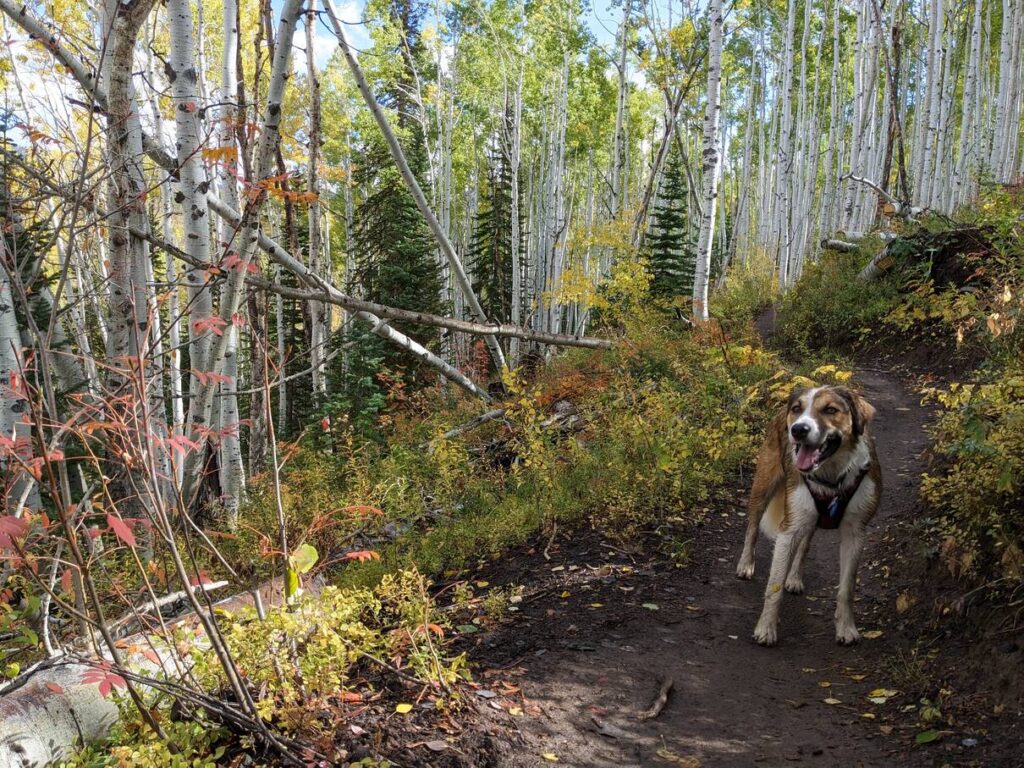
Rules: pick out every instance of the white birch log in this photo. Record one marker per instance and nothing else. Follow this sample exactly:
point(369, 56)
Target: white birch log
point(48, 711)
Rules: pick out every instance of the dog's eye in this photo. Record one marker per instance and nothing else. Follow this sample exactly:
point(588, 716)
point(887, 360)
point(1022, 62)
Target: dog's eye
point(796, 408)
point(831, 410)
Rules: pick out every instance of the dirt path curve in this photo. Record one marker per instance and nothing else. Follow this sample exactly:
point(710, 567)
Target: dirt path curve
point(600, 632)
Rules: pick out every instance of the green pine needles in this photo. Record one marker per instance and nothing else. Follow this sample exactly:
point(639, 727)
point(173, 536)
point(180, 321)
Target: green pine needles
point(673, 252)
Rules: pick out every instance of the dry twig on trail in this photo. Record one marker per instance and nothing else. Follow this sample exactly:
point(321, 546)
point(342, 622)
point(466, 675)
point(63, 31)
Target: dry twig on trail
point(659, 702)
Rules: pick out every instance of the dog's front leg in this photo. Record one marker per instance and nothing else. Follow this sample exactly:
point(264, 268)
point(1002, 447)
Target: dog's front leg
point(851, 543)
point(795, 578)
point(766, 631)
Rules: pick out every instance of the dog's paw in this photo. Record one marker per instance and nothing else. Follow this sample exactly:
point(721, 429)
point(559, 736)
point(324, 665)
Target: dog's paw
point(745, 570)
point(846, 633)
point(766, 633)
point(795, 585)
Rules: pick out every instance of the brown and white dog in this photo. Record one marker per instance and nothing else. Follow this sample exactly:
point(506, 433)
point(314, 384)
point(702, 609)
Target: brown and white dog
point(816, 469)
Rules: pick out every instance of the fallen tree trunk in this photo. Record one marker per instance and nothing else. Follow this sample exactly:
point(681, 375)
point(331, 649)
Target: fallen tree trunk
point(838, 245)
point(52, 708)
point(878, 266)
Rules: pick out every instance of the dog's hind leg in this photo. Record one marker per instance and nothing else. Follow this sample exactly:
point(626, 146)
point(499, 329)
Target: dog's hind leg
point(851, 543)
point(795, 579)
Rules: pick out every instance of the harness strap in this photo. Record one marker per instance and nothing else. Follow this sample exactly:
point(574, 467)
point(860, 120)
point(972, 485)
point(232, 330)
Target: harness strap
point(831, 506)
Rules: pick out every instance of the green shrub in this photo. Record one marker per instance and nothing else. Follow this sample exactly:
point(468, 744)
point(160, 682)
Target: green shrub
point(976, 493)
point(829, 308)
point(748, 289)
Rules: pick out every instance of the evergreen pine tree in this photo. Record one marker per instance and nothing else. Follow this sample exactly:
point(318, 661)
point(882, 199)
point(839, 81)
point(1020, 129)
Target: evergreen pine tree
point(673, 256)
point(395, 255)
point(490, 250)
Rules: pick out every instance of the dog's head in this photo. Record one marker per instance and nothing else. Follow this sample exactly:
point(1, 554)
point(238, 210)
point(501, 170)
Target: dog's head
point(824, 422)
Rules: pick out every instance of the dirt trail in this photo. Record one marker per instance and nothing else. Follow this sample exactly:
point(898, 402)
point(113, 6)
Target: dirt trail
point(599, 631)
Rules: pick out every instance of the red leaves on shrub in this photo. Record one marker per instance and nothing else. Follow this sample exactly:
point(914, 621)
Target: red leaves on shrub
point(121, 530)
point(105, 678)
point(11, 528)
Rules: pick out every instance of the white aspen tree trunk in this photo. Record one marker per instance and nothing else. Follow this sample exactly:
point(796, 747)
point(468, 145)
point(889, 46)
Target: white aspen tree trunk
point(319, 312)
point(968, 146)
point(722, 221)
point(132, 309)
point(831, 174)
point(784, 163)
point(810, 205)
point(923, 100)
point(942, 170)
point(801, 160)
point(16, 485)
point(192, 183)
point(935, 69)
point(282, 388)
point(859, 120)
point(620, 113)
point(743, 216)
point(230, 464)
point(515, 151)
point(560, 232)
point(711, 162)
point(871, 127)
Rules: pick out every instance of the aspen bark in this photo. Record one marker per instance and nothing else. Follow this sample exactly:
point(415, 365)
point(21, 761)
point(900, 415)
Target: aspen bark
point(319, 312)
point(711, 162)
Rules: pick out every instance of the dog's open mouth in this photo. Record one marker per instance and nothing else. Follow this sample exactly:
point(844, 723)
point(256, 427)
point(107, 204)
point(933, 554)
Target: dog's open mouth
point(810, 457)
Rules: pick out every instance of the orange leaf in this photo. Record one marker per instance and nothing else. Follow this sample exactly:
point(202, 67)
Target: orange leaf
point(363, 555)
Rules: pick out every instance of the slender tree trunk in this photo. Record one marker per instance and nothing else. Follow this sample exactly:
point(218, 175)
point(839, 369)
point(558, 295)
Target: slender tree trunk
point(131, 305)
point(711, 162)
point(620, 113)
point(319, 312)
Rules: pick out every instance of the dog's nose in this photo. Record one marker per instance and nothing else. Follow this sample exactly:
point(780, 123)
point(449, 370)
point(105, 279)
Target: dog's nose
point(800, 430)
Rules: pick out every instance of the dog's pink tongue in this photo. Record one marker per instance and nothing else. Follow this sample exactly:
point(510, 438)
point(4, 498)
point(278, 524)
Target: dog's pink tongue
point(805, 457)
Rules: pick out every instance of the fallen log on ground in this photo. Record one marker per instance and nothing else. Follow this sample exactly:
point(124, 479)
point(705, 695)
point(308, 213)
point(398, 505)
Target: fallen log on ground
point(953, 255)
point(54, 706)
point(838, 245)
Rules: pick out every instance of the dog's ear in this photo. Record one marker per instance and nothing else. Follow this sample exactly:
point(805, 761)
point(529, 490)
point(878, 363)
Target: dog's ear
point(861, 410)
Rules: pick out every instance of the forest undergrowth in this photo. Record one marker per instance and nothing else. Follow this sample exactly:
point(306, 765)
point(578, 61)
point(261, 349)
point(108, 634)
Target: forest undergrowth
point(624, 441)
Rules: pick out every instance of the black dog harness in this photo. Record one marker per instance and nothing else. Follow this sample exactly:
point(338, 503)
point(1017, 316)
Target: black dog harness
point(831, 504)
